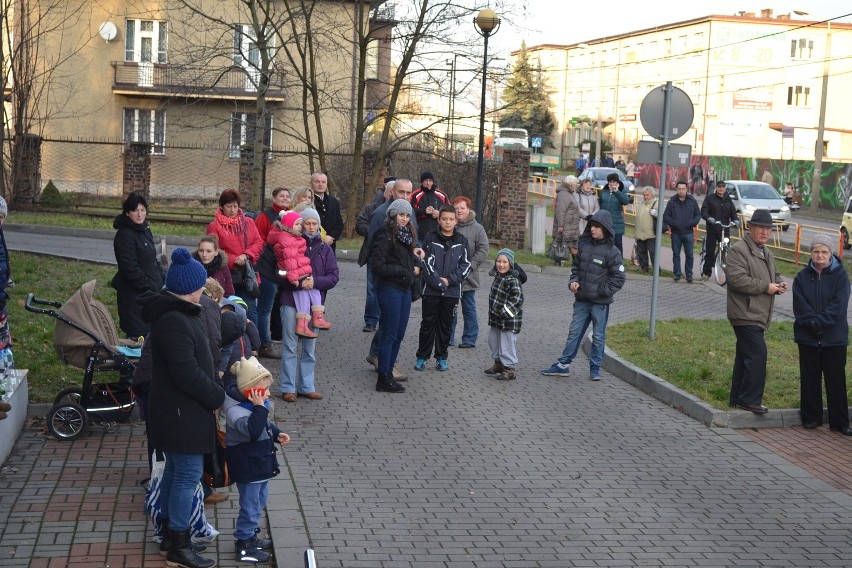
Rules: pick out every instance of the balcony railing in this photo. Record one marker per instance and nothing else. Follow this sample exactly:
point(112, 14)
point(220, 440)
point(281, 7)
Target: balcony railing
point(157, 79)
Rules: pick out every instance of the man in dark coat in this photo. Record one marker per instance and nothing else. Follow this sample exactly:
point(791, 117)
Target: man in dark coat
point(184, 393)
point(426, 201)
point(328, 208)
point(681, 216)
point(717, 207)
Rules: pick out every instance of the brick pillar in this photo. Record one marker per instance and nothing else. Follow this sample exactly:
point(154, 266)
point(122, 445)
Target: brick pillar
point(27, 175)
point(137, 169)
point(512, 190)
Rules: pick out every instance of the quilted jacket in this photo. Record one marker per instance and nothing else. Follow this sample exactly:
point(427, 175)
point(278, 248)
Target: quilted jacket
point(290, 251)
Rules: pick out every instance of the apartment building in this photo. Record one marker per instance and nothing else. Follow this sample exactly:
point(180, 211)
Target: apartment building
point(754, 79)
point(185, 74)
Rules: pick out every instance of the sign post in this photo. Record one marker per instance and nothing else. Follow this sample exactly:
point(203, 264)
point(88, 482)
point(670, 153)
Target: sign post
point(666, 114)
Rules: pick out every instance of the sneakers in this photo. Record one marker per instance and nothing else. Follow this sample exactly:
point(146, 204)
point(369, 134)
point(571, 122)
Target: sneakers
point(398, 375)
point(250, 551)
point(373, 360)
point(508, 374)
point(677, 278)
point(442, 365)
point(689, 279)
point(420, 365)
point(595, 375)
point(557, 370)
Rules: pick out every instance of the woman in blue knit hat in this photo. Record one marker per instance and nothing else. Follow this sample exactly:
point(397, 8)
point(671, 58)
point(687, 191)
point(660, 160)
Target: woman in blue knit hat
point(184, 393)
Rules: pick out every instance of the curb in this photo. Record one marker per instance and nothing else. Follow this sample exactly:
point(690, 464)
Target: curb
point(687, 403)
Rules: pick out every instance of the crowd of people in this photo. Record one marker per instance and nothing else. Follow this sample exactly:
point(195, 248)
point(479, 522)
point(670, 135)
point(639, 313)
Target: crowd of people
point(213, 311)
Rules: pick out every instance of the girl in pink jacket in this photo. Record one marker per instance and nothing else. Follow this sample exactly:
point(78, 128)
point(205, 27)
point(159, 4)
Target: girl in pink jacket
point(293, 264)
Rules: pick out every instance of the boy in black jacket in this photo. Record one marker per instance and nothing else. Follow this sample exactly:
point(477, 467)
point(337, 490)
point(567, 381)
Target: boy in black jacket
point(447, 265)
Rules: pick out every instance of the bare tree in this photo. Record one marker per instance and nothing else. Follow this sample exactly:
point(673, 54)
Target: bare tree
point(36, 80)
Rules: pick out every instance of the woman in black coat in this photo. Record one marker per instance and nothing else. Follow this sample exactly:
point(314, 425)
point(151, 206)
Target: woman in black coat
point(394, 265)
point(820, 302)
point(184, 393)
point(138, 268)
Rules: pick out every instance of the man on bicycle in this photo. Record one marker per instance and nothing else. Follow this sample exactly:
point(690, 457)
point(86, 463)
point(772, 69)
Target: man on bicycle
point(718, 206)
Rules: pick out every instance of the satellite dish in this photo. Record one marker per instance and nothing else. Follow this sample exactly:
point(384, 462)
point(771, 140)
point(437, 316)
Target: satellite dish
point(108, 31)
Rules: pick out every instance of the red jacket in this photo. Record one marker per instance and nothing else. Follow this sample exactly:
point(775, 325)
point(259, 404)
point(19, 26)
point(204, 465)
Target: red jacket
point(289, 252)
point(247, 241)
point(264, 223)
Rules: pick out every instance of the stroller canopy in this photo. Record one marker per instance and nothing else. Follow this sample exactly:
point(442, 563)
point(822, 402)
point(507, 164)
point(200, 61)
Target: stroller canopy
point(74, 346)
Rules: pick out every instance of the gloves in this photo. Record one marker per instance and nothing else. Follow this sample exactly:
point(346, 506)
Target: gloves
point(711, 220)
point(588, 217)
point(653, 212)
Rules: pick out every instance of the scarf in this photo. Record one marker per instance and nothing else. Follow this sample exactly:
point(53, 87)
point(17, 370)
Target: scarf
point(403, 234)
point(234, 225)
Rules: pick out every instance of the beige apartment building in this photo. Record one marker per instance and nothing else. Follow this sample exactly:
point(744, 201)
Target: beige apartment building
point(754, 80)
point(184, 76)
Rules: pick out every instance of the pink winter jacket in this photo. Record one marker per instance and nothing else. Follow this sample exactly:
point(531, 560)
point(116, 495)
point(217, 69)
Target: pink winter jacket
point(290, 251)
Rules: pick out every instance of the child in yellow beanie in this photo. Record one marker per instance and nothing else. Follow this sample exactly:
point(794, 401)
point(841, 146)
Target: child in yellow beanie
point(250, 453)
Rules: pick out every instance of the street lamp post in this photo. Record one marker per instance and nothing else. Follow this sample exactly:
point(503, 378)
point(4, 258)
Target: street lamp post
point(487, 23)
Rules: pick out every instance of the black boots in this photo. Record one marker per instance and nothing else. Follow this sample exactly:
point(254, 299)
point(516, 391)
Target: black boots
point(387, 384)
point(251, 550)
point(182, 554)
point(166, 543)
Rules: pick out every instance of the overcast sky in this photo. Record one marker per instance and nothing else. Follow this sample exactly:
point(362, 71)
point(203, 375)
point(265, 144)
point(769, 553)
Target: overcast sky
point(564, 22)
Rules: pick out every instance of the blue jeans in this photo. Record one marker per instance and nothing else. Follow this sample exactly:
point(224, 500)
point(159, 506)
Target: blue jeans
point(264, 309)
point(584, 314)
point(687, 242)
point(293, 366)
point(180, 478)
point(253, 498)
point(251, 312)
point(471, 322)
point(395, 305)
point(371, 305)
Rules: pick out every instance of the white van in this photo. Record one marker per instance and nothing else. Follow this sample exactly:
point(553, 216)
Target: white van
point(749, 196)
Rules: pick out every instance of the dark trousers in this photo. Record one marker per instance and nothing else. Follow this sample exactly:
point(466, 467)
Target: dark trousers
point(438, 312)
point(749, 376)
point(617, 242)
point(816, 364)
point(710, 244)
point(645, 250)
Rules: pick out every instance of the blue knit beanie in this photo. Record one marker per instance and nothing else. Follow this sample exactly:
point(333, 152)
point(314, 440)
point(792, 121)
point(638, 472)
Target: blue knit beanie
point(509, 255)
point(186, 275)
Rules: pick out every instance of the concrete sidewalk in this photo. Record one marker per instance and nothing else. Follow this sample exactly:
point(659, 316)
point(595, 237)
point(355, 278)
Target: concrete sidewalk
point(462, 470)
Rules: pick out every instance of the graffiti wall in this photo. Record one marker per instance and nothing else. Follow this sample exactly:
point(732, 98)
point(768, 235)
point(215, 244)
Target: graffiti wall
point(704, 170)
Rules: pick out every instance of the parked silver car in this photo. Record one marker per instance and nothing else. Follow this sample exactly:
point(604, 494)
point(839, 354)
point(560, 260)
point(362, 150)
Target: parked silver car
point(750, 196)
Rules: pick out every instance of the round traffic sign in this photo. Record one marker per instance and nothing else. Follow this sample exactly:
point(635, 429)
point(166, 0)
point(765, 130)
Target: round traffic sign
point(653, 109)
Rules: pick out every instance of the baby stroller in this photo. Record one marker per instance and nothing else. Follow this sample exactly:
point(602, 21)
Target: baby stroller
point(86, 338)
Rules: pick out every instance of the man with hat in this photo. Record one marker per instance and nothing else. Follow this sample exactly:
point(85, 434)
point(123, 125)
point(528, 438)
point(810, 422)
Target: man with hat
point(426, 201)
point(753, 284)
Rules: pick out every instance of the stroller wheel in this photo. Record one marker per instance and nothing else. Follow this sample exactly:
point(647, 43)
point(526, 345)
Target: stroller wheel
point(71, 394)
point(67, 421)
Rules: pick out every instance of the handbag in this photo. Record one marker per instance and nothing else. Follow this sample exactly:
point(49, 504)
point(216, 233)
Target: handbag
point(202, 531)
point(215, 466)
point(251, 284)
point(558, 251)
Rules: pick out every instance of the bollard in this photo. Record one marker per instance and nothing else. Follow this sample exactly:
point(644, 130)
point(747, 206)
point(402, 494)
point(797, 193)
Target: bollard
point(310, 560)
point(537, 215)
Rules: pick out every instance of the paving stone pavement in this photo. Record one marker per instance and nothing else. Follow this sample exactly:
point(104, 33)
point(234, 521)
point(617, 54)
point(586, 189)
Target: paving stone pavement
point(462, 470)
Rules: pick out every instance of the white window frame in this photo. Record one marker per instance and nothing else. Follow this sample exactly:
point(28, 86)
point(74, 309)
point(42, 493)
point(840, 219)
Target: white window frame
point(242, 123)
point(157, 36)
point(371, 60)
point(144, 125)
point(247, 55)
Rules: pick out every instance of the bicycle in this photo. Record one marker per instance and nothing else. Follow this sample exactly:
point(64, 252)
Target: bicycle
point(721, 255)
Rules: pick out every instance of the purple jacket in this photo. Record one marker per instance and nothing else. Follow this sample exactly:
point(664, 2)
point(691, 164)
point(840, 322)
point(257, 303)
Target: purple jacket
point(324, 266)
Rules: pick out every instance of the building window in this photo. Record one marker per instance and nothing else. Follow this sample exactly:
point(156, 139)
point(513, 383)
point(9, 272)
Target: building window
point(371, 60)
point(798, 96)
point(242, 131)
point(146, 41)
point(667, 47)
point(246, 53)
point(801, 48)
point(141, 125)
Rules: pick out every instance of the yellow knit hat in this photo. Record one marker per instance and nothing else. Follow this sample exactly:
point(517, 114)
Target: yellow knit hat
point(249, 372)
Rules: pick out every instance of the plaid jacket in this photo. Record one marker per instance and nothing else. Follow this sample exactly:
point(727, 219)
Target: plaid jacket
point(505, 302)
